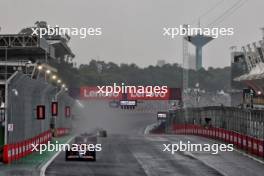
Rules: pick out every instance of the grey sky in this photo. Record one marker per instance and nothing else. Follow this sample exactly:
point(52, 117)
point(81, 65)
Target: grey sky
point(132, 29)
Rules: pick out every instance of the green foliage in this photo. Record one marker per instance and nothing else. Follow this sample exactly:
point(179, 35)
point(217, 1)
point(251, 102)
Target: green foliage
point(102, 73)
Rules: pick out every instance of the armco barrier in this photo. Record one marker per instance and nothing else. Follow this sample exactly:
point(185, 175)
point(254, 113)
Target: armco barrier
point(18, 150)
point(247, 143)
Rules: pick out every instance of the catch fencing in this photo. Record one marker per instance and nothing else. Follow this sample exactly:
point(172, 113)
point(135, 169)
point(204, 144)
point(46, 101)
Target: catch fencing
point(24, 94)
point(63, 122)
point(23, 127)
point(245, 121)
point(241, 127)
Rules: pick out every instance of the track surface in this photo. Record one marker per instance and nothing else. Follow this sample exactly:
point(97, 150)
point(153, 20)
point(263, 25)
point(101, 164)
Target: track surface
point(128, 152)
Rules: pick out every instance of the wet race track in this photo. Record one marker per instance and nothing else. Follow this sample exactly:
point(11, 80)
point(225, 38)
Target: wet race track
point(128, 151)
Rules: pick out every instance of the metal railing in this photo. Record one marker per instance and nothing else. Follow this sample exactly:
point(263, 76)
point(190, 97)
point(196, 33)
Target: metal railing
point(244, 121)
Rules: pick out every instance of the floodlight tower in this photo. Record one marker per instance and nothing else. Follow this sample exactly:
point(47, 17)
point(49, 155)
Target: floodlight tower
point(199, 41)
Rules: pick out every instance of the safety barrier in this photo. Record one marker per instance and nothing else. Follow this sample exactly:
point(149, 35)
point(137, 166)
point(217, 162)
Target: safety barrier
point(21, 149)
point(61, 132)
point(22, 109)
point(247, 143)
point(1, 153)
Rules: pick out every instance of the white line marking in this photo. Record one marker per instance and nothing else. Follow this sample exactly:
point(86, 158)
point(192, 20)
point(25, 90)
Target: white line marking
point(250, 156)
point(149, 128)
point(206, 163)
point(44, 167)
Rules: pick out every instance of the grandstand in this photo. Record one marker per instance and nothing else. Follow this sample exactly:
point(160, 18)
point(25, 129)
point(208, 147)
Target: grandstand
point(252, 59)
point(29, 79)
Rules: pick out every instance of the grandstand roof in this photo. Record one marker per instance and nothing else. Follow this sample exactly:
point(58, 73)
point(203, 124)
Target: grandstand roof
point(27, 45)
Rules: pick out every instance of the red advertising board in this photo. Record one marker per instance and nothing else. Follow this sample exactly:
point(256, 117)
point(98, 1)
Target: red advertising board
point(40, 112)
point(54, 108)
point(94, 92)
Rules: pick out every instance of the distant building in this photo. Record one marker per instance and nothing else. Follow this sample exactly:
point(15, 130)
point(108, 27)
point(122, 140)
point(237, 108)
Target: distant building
point(161, 63)
point(190, 63)
point(248, 69)
point(238, 68)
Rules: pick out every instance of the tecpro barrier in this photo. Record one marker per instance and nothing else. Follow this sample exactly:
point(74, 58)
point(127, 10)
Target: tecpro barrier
point(249, 144)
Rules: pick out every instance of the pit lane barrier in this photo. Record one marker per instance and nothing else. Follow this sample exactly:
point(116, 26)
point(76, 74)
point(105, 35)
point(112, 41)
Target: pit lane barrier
point(247, 143)
point(15, 151)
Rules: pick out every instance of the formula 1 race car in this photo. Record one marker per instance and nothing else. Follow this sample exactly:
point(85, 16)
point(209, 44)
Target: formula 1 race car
point(80, 152)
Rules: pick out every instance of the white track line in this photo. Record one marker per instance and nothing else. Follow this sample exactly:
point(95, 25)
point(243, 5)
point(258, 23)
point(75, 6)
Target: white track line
point(149, 128)
point(44, 167)
point(250, 156)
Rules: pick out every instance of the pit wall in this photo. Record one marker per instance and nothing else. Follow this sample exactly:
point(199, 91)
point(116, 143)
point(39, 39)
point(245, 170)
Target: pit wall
point(242, 127)
point(15, 151)
point(24, 94)
point(249, 144)
point(244, 121)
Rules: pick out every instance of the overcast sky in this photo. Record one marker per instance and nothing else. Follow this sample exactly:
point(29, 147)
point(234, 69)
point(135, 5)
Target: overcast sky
point(132, 29)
